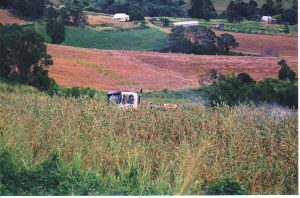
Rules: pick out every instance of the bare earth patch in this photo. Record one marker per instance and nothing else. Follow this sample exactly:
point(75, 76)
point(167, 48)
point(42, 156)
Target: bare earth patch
point(7, 18)
point(132, 70)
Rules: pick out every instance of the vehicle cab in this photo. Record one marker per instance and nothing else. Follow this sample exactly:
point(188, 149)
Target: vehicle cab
point(123, 99)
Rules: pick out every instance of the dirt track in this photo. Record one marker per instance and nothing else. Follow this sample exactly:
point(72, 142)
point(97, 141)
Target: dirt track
point(131, 70)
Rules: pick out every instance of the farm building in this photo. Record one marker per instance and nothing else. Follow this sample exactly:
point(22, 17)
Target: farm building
point(268, 19)
point(186, 24)
point(121, 17)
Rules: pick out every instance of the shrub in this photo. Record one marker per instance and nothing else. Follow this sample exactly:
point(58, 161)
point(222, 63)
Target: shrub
point(226, 186)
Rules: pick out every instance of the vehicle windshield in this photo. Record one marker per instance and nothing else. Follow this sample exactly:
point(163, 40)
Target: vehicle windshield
point(115, 99)
point(128, 99)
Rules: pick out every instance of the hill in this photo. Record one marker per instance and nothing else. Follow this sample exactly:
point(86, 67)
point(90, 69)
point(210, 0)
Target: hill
point(108, 69)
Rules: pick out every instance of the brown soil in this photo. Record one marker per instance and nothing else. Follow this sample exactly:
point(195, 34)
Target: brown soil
point(255, 43)
point(131, 70)
point(7, 18)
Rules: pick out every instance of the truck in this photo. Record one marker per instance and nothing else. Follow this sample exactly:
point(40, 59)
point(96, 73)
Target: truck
point(127, 99)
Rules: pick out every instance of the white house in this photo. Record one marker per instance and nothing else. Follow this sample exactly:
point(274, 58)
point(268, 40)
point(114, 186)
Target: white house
point(121, 17)
point(268, 19)
point(187, 24)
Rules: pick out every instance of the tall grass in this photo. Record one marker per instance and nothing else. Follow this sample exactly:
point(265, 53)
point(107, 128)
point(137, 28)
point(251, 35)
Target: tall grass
point(151, 151)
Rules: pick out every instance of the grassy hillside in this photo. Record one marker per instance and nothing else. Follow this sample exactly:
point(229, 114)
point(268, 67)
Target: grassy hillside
point(147, 151)
point(145, 39)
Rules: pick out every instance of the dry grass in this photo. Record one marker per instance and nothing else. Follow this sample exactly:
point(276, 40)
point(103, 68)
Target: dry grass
point(186, 148)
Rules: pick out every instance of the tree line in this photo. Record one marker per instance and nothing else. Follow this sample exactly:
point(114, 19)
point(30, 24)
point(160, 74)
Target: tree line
point(242, 88)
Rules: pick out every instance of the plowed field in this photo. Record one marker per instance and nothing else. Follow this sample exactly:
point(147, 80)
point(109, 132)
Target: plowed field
point(7, 18)
point(132, 70)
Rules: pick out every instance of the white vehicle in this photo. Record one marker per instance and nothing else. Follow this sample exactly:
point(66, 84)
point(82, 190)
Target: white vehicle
point(125, 100)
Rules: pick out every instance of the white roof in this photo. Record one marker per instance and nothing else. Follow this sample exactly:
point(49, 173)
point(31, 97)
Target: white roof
point(187, 23)
point(120, 15)
point(266, 17)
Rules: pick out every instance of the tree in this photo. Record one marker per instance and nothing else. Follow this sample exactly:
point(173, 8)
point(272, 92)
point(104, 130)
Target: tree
point(73, 12)
point(234, 17)
point(178, 43)
point(24, 56)
point(56, 30)
point(30, 8)
point(279, 6)
point(200, 40)
point(228, 41)
point(246, 78)
point(269, 8)
point(136, 16)
point(295, 4)
point(6, 3)
point(285, 72)
point(290, 16)
point(201, 9)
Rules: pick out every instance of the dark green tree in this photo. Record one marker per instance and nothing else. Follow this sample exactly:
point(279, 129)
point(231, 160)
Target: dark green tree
point(201, 9)
point(136, 16)
point(295, 4)
point(178, 42)
point(73, 12)
point(30, 8)
point(269, 8)
point(285, 72)
point(290, 16)
point(227, 42)
point(279, 7)
point(23, 55)
point(6, 3)
point(56, 30)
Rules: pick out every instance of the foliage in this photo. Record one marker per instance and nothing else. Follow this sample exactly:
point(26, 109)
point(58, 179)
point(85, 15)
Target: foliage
point(233, 90)
point(238, 10)
point(285, 72)
point(290, 16)
point(24, 56)
point(30, 8)
point(226, 42)
point(136, 16)
point(199, 40)
point(153, 8)
point(56, 30)
point(145, 151)
point(164, 21)
point(76, 92)
point(226, 186)
point(202, 9)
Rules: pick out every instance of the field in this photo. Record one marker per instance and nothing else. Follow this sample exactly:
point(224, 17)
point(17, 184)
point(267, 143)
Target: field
point(108, 151)
point(250, 27)
point(108, 69)
point(7, 18)
point(142, 39)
